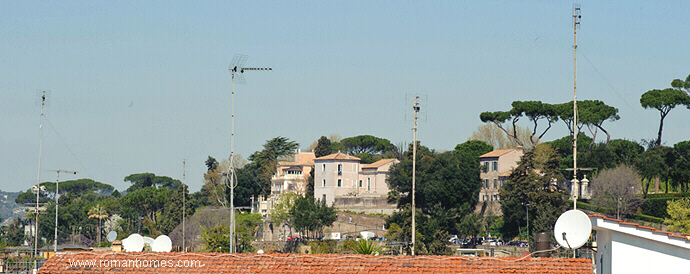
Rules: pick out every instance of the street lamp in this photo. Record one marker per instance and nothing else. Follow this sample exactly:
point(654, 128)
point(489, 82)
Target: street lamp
point(527, 206)
point(57, 187)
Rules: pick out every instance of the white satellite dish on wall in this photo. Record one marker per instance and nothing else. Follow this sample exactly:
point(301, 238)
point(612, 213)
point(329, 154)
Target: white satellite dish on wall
point(162, 244)
point(133, 243)
point(112, 235)
point(572, 229)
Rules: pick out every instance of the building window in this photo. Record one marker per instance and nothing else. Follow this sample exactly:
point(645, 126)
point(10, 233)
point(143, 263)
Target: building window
point(495, 197)
point(486, 183)
point(340, 169)
point(486, 166)
point(324, 197)
point(368, 184)
point(360, 183)
point(495, 183)
point(324, 182)
point(340, 182)
point(495, 166)
point(323, 168)
point(503, 181)
point(293, 172)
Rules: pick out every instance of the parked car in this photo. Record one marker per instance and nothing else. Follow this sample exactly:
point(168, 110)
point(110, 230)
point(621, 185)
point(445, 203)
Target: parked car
point(293, 239)
point(454, 239)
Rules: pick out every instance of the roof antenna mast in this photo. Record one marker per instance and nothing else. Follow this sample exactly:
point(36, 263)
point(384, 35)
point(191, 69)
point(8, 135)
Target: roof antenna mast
point(576, 184)
point(417, 102)
point(236, 70)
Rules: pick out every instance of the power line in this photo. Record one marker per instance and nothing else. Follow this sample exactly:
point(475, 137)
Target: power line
point(680, 155)
point(70, 150)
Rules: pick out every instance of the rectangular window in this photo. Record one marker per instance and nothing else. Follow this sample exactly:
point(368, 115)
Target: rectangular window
point(324, 197)
point(340, 182)
point(486, 183)
point(495, 183)
point(340, 169)
point(486, 166)
point(324, 183)
point(360, 183)
point(495, 166)
point(368, 184)
point(323, 168)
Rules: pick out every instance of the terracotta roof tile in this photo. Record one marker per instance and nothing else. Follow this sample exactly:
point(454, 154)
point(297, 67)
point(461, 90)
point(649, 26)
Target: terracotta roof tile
point(496, 153)
point(151, 262)
point(379, 163)
point(338, 156)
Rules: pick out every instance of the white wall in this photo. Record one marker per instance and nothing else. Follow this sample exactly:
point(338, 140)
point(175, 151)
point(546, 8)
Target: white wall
point(625, 248)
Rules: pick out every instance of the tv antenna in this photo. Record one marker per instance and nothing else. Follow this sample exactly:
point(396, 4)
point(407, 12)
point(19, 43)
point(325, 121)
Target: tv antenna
point(237, 70)
point(43, 97)
point(575, 188)
point(57, 188)
point(417, 102)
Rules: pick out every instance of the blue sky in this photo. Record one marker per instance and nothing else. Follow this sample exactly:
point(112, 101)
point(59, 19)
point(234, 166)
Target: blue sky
point(138, 86)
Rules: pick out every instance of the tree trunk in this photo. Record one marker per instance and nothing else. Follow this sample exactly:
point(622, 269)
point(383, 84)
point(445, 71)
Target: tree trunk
point(656, 184)
point(661, 126)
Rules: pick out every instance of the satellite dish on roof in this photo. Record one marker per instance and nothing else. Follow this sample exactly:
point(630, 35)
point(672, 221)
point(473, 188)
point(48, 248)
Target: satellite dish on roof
point(112, 235)
point(133, 243)
point(148, 240)
point(572, 229)
point(162, 244)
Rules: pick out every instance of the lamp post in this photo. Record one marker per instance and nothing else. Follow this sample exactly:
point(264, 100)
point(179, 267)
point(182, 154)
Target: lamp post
point(527, 206)
point(57, 187)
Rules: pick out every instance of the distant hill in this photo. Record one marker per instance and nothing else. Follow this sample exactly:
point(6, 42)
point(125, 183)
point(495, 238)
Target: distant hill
point(8, 208)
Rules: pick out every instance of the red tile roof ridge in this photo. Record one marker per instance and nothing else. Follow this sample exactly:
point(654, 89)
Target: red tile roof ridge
point(316, 263)
point(683, 236)
point(315, 256)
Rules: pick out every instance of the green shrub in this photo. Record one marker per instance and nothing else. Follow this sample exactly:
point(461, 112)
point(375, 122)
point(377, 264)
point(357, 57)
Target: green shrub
point(367, 247)
point(648, 218)
point(656, 207)
point(674, 195)
point(591, 207)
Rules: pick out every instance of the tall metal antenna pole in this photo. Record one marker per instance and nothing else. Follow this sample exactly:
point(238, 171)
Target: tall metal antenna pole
point(236, 69)
point(184, 198)
point(38, 178)
point(415, 107)
point(575, 186)
point(57, 187)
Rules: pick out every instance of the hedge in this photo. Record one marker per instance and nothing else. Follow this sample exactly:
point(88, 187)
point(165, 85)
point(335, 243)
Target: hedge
point(674, 195)
point(591, 207)
point(648, 218)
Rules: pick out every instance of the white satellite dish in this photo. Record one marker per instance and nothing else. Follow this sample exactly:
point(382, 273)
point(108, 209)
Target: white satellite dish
point(133, 243)
point(162, 244)
point(572, 229)
point(148, 240)
point(112, 235)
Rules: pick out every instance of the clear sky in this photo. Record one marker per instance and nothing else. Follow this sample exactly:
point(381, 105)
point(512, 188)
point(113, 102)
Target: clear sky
point(138, 86)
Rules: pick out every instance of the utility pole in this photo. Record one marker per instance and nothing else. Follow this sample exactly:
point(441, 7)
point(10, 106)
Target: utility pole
point(576, 186)
point(236, 70)
point(414, 169)
point(57, 187)
point(184, 198)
